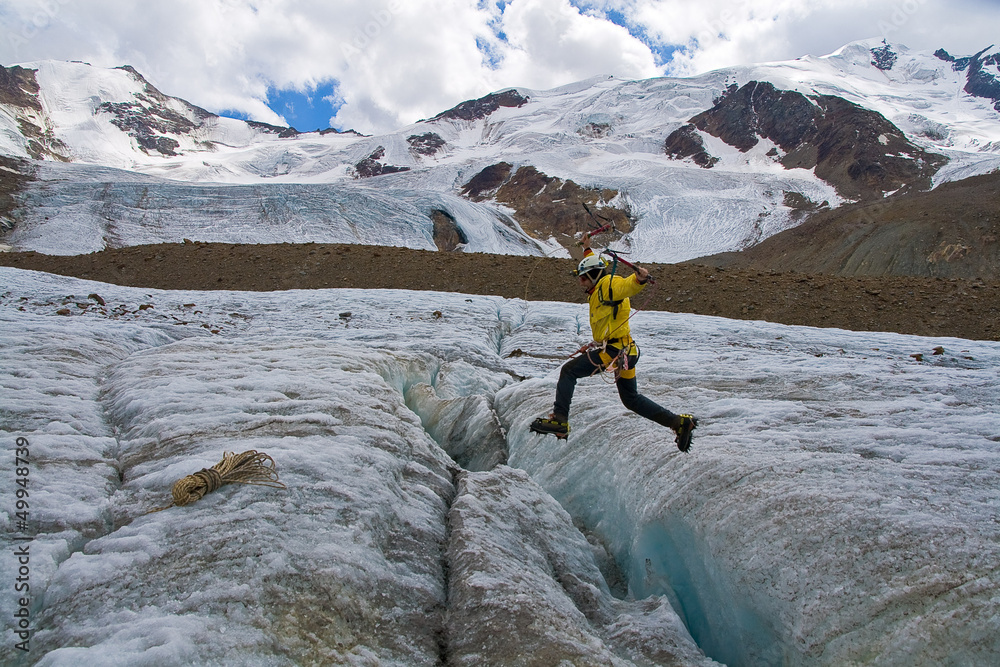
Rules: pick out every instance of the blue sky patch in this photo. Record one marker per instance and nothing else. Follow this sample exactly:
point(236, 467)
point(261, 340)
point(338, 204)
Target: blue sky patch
point(230, 113)
point(491, 57)
point(306, 110)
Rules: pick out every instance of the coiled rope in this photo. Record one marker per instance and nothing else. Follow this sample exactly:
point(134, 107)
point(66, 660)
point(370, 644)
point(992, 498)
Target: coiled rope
point(250, 467)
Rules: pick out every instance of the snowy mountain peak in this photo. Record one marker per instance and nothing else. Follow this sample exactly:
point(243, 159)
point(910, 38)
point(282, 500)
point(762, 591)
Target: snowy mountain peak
point(983, 74)
point(152, 117)
point(778, 138)
point(484, 106)
point(73, 111)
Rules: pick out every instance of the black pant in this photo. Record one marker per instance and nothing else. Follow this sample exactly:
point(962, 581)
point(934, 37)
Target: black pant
point(590, 363)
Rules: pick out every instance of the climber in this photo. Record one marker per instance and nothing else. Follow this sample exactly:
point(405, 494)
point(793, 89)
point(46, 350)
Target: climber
point(612, 347)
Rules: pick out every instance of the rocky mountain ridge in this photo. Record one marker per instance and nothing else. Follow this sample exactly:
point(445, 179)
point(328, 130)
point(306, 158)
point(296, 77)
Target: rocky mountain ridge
point(780, 142)
point(856, 150)
point(982, 82)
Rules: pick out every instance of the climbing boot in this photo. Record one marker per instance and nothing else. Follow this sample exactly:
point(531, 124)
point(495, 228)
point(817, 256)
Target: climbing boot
point(685, 424)
point(556, 425)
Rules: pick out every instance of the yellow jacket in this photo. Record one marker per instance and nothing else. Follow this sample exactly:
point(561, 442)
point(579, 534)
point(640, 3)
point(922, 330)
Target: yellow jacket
point(610, 308)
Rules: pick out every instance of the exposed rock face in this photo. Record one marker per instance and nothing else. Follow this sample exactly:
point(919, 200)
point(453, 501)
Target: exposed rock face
point(372, 165)
point(428, 143)
point(685, 142)
point(152, 96)
point(858, 151)
point(331, 130)
point(883, 57)
point(957, 64)
point(544, 206)
point(742, 116)
point(864, 155)
point(151, 116)
point(800, 204)
point(282, 132)
point(484, 106)
point(981, 83)
point(486, 183)
point(448, 235)
point(144, 125)
point(19, 88)
point(19, 93)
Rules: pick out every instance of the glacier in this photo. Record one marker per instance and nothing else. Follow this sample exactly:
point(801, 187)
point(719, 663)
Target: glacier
point(75, 209)
point(231, 181)
point(839, 504)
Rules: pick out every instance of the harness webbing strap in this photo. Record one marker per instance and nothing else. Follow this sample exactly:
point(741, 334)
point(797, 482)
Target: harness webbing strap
point(610, 301)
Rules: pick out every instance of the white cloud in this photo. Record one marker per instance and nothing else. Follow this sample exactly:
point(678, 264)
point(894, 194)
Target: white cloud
point(457, 54)
point(411, 60)
point(397, 61)
point(552, 43)
point(720, 33)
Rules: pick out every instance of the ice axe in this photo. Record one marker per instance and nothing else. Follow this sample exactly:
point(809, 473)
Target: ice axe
point(595, 232)
point(603, 228)
point(618, 258)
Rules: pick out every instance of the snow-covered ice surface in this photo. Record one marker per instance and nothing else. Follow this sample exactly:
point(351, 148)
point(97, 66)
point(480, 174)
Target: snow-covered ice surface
point(839, 505)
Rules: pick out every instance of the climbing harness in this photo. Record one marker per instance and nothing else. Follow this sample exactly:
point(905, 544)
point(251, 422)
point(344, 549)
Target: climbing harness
point(620, 362)
point(610, 301)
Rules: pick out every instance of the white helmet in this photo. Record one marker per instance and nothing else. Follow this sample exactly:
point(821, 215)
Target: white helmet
point(591, 266)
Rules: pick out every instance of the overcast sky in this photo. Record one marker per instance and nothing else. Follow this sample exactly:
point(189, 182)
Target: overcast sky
point(376, 65)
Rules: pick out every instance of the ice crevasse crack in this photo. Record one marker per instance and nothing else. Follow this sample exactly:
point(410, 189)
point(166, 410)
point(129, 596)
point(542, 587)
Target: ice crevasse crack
point(372, 495)
point(423, 523)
